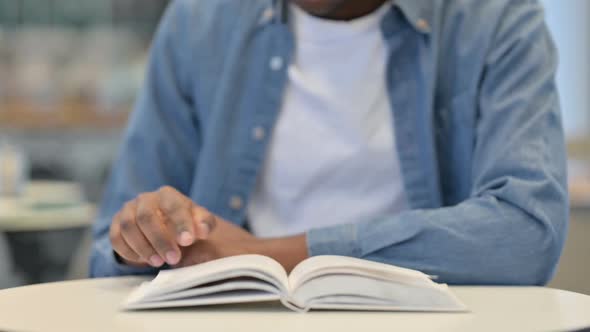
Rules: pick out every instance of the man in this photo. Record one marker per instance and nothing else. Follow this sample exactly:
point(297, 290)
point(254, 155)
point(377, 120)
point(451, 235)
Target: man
point(420, 133)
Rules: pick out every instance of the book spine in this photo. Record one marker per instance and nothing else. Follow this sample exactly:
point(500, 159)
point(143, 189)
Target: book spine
point(290, 305)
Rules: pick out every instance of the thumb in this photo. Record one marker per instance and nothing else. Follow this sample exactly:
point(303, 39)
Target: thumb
point(205, 222)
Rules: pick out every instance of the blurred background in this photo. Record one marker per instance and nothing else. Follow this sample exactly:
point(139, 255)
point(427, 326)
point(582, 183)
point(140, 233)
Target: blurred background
point(69, 74)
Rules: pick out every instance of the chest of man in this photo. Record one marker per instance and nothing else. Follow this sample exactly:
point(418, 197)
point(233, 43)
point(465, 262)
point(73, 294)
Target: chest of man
point(239, 98)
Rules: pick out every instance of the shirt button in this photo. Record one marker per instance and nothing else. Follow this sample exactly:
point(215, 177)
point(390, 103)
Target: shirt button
point(423, 25)
point(276, 63)
point(258, 133)
point(268, 14)
point(236, 203)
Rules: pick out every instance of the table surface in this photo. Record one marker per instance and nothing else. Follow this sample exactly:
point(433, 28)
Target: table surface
point(92, 305)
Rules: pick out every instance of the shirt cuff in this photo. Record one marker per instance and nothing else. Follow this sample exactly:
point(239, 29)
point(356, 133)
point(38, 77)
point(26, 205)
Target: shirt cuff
point(336, 240)
point(105, 264)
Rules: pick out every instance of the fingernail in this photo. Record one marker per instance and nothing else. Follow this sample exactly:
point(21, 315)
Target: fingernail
point(203, 230)
point(156, 261)
point(172, 257)
point(185, 239)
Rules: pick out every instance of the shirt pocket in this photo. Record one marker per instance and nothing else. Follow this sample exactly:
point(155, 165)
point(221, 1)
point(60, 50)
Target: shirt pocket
point(455, 141)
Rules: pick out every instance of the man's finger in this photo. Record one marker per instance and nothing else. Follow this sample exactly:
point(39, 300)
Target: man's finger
point(134, 238)
point(205, 222)
point(153, 227)
point(176, 210)
point(119, 244)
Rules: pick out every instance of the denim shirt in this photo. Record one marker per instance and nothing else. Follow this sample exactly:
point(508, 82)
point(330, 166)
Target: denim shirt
point(477, 124)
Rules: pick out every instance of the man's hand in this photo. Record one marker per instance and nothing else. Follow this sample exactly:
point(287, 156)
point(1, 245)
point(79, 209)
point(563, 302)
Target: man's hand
point(231, 240)
point(153, 228)
point(227, 240)
point(166, 226)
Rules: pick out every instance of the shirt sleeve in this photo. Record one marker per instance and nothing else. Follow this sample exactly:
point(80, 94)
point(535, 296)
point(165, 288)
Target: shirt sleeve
point(161, 143)
point(512, 228)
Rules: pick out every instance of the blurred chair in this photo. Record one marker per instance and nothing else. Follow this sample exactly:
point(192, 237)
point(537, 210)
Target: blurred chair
point(8, 275)
point(79, 265)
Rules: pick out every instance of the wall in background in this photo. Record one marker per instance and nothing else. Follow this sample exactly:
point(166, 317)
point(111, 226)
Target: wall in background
point(569, 20)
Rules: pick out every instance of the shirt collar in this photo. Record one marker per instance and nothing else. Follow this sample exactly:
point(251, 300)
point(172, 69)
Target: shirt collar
point(419, 13)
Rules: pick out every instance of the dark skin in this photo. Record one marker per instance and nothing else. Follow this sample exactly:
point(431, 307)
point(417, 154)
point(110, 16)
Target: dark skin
point(165, 226)
point(342, 10)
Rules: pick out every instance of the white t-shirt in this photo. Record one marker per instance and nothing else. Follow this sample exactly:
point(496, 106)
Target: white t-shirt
point(332, 157)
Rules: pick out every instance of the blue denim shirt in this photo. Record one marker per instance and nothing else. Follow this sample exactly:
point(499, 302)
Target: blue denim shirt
point(477, 126)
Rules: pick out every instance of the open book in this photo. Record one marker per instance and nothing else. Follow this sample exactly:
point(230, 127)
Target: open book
point(321, 282)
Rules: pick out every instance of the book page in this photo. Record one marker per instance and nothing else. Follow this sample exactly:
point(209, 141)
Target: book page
point(359, 293)
point(224, 286)
point(254, 266)
point(238, 296)
point(322, 265)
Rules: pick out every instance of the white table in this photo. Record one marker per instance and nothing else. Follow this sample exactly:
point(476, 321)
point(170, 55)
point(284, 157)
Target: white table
point(92, 305)
point(46, 206)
